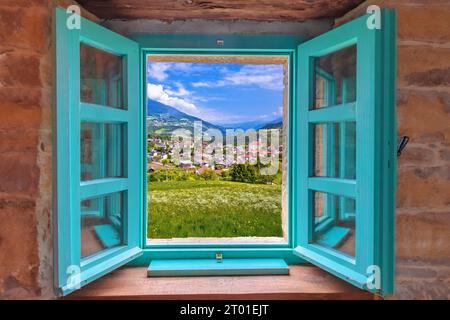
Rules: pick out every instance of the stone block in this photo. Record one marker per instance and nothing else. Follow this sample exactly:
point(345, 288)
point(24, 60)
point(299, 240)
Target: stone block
point(423, 66)
point(19, 265)
point(423, 187)
point(19, 69)
point(424, 116)
point(14, 97)
point(19, 110)
point(423, 234)
point(17, 140)
point(422, 279)
point(427, 22)
point(25, 27)
point(20, 174)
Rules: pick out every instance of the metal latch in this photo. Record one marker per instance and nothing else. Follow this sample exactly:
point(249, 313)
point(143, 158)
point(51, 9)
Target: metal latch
point(403, 142)
point(219, 257)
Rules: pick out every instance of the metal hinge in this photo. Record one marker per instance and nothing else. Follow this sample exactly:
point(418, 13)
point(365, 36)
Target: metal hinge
point(403, 142)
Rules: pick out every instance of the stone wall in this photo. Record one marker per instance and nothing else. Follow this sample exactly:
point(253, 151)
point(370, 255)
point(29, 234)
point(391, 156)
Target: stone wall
point(26, 113)
point(423, 109)
point(26, 133)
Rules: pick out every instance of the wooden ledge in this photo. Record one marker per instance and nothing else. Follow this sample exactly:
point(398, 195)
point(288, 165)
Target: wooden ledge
point(211, 267)
point(304, 282)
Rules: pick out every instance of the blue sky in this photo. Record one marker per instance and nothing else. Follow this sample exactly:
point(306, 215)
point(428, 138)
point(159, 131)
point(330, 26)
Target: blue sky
point(218, 93)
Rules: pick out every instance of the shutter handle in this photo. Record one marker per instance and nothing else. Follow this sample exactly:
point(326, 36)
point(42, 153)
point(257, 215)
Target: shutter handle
point(402, 145)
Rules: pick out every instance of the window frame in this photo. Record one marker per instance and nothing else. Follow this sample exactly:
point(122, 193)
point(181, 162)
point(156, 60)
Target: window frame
point(329, 155)
point(375, 184)
point(71, 269)
point(232, 45)
point(68, 193)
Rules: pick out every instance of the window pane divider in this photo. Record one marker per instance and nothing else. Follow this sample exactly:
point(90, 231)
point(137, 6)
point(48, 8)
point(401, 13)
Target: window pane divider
point(103, 114)
point(98, 187)
point(340, 187)
point(336, 113)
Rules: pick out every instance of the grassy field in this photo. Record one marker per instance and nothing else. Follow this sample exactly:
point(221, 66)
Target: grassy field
point(178, 209)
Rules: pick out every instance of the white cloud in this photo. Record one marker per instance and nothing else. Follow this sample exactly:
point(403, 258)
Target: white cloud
point(157, 92)
point(177, 96)
point(209, 84)
point(201, 84)
point(181, 91)
point(279, 112)
point(264, 76)
point(272, 116)
point(217, 117)
point(224, 70)
point(187, 67)
point(158, 70)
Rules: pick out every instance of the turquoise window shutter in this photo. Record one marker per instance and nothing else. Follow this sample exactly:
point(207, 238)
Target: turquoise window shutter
point(113, 191)
point(356, 152)
point(98, 170)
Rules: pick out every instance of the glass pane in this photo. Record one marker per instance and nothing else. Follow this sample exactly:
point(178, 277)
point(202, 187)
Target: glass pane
point(334, 222)
point(229, 183)
point(101, 223)
point(102, 150)
point(335, 150)
point(101, 78)
point(335, 78)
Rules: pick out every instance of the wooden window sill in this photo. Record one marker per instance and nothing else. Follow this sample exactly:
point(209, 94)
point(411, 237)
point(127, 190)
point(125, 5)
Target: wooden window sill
point(304, 282)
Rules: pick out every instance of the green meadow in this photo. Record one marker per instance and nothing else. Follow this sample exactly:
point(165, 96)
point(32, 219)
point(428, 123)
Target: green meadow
point(214, 208)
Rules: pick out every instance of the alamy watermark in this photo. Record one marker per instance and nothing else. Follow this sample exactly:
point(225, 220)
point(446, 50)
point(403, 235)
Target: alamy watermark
point(374, 20)
point(74, 17)
point(237, 147)
point(374, 277)
point(73, 277)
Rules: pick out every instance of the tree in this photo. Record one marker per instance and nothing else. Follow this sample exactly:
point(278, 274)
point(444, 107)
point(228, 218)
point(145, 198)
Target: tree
point(164, 163)
point(243, 173)
point(209, 174)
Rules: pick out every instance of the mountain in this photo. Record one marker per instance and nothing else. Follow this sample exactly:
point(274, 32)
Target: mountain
point(245, 125)
point(256, 124)
point(274, 124)
point(163, 119)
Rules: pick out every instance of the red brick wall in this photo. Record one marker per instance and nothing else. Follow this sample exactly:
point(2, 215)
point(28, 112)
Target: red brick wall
point(423, 109)
point(23, 41)
point(26, 111)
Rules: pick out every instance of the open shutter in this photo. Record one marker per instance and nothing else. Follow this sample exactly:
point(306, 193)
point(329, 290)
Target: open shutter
point(345, 152)
point(98, 201)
